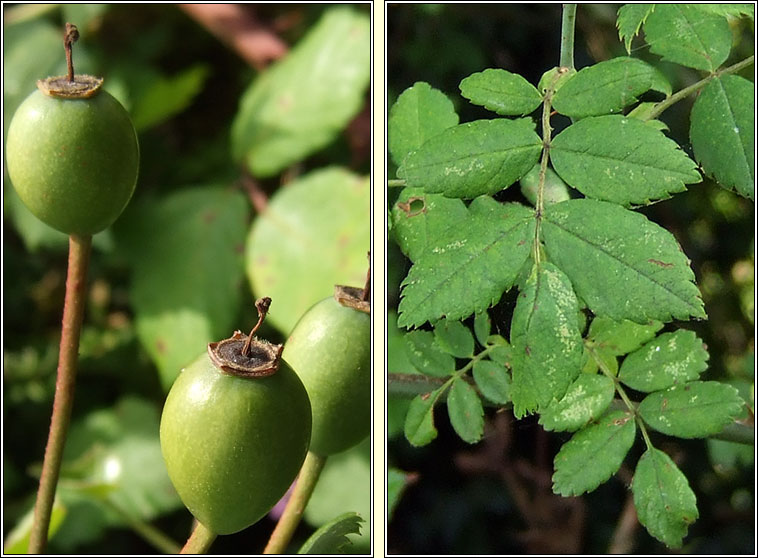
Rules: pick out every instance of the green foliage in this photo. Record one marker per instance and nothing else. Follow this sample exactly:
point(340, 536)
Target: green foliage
point(593, 454)
point(686, 35)
point(501, 92)
point(546, 340)
point(640, 165)
point(331, 538)
point(461, 276)
point(665, 503)
point(465, 410)
point(669, 359)
point(174, 324)
point(17, 540)
point(418, 114)
point(344, 487)
point(573, 261)
point(622, 265)
point(605, 87)
point(722, 130)
point(475, 158)
point(691, 410)
point(586, 399)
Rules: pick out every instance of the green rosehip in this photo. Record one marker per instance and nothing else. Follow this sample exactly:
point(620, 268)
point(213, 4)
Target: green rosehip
point(73, 161)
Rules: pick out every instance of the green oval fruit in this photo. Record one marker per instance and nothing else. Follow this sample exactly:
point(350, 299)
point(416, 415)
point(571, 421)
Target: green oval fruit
point(330, 349)
point(73, 162)
point(233, 445)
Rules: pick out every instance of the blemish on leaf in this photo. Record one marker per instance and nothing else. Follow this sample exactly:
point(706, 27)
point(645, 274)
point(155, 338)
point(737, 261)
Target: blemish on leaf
point(415, 205)
point(660, 263)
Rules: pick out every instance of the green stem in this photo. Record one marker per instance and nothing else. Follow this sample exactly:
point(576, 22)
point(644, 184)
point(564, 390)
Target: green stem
point(200, 541)
point(293, 512)
point(687, 91)
point(395, 183)
point(568, 20)
point(547, 132)
point(154, 536)
point(73, 316)
point(410, 385)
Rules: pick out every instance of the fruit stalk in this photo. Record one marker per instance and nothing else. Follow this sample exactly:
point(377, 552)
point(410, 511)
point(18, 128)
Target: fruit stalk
point(69, 38)
point(73, 315)
point(293, 511)
point(200, 540)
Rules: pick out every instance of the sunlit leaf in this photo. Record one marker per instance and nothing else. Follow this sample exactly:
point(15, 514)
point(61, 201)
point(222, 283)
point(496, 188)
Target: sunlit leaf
point(501, 91)
point(722, 130)
point(546, 341)
point(480, 157)
point(419, 113)
point(640, 164)
point(622, 265)
point(604, 88)
point(302, 102)
point(17, 539)
point(469, 268)
point(314, 234)
point(684, 34)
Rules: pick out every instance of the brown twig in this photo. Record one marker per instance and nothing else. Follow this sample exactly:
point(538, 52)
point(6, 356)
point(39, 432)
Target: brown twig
point(257, 195)
point(236, 26)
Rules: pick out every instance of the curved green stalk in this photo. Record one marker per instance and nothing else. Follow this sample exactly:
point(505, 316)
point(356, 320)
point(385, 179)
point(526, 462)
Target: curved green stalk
point(150, 534)
point(200, 541)
point(568, 21)
point(293, 512)
point(687, 91)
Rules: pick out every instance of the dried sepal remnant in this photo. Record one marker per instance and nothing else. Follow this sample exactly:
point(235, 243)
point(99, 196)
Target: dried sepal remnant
point(229, 357)
point(352, 298)
point(83, 86)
